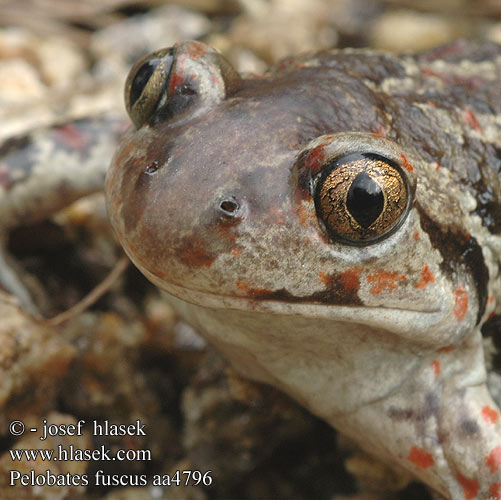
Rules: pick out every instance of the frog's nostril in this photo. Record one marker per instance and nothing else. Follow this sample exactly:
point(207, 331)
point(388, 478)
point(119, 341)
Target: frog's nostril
point(229, 206)
point(151, 168)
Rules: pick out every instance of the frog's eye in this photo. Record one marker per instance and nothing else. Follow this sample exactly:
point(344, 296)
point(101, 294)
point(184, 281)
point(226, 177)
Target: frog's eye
point(177, 80)
point(361, 198)
point(146, 84)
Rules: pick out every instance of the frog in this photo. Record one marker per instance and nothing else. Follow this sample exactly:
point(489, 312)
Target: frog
point(333, 228)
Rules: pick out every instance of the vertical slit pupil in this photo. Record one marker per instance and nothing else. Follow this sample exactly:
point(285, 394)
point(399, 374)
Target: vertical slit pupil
point(141, 79)
point(365, 200)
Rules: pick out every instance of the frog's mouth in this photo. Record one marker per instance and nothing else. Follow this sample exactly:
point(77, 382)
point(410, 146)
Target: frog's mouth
point(402, 320)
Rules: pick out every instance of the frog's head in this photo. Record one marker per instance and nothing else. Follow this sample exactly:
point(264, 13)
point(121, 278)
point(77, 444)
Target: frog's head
point(280, 194)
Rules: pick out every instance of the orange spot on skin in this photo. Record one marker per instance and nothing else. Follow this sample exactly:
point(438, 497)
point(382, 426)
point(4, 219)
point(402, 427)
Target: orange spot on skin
point(275, 216)
point(489, 414)
point(431, 103)
point(447, 348)
point(254, 292)
point(495, 491)
point(406, 163)
point(470, 486)
point(493, 460)
point(301, 195)
point(243, 285)
point(227, 231)
point(437, 165)
point(175, 81)
point(471, 119)
point(316, 159)
point(461, 305)
point(196, 50)
point(196, 254)
point(384, 281)
point(236, 251)
point(466, 236)
point(215, 80)
point(304, 214)
point(426, 277)
point(351, 279)
point(379, 131)
point(491, 299)
point(435, 366)
point(416, 235)
point(420, 457)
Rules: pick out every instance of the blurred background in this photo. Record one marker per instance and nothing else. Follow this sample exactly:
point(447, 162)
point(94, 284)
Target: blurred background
point(49, 48)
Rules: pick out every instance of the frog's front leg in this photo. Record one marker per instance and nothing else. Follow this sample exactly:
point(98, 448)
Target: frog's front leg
point(441, 424)
point(471, 433)
point(469, 427)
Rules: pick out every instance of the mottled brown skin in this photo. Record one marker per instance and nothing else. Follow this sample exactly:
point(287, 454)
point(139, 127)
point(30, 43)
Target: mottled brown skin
point(323, 108)
point(263, 112)
point(216, 206)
